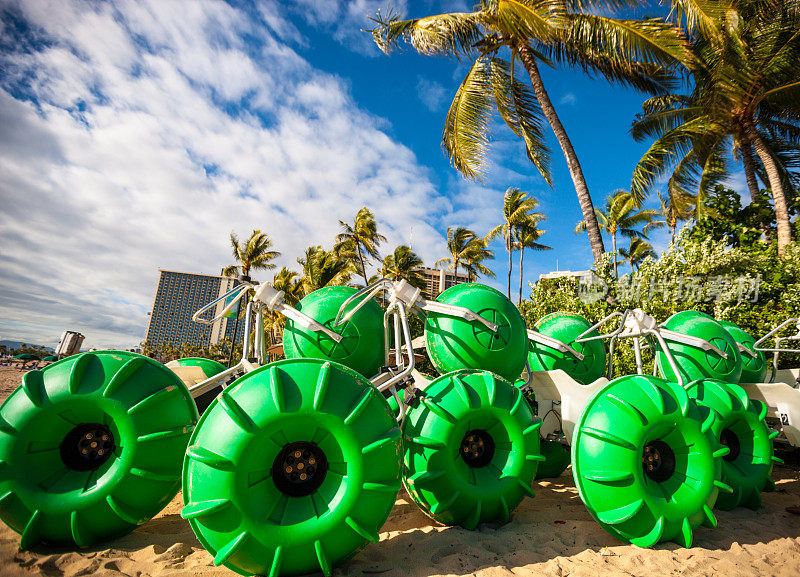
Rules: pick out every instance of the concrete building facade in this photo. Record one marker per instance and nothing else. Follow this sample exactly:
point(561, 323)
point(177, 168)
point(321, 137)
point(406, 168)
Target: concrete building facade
point(178, 296)
point(437, 281)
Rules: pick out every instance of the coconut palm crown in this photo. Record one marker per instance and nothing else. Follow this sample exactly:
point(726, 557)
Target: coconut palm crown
point(254, 253)
point(632, 52)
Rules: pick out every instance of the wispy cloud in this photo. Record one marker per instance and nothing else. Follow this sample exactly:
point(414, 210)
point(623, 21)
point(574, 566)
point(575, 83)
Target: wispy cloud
point(569, 98)
point(431, 93)
point(139, 135)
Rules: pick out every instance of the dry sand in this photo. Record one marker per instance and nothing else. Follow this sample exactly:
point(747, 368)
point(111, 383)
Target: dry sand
point(551, 535)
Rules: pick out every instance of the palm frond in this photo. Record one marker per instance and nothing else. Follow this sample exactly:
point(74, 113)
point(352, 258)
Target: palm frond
point(465, 132)
point(453, 34)
point(520, 109)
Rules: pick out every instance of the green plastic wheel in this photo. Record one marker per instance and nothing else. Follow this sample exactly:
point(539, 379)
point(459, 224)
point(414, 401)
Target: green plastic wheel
point(646, 461)
point(362, 345)
point(556, 460)
point(292, 469)
point(741, 428)
point(754, 369)
point(566, 327)
point(208, 366)
point(454, 343)
point(471, 449)
point(694, 363)
point(91, 447)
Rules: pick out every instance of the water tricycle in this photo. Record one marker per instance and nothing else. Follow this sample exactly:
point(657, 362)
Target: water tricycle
point(295, 465)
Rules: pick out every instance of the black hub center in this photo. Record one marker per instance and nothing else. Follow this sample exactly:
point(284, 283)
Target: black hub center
point(87, 446)
point(658, 461)
point(299, 469)
point(477, 448)
point(730, 440)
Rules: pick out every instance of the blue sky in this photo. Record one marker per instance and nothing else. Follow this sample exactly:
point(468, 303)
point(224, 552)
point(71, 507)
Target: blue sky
point(136, 136)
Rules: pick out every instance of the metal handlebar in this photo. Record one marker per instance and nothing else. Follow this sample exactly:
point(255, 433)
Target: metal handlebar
point(638, 324)
point(241, 289)
point(777, 350)
point(553, 343)
point(411, 297)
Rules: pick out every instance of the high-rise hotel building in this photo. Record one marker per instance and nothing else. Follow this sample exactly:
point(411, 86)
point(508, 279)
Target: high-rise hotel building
point(178, 296)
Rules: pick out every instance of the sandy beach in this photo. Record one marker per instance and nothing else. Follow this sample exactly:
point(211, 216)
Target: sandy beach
point(550, 535)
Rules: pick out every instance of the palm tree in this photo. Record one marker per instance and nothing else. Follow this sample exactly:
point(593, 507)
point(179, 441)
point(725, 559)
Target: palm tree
point(674, 208)
point(477, 252)
point(254, 253)
point(517, 209)
point(323, 268)
point(362, 237)
point(745, 105)
point(403, 263)
point(639, 250)
point(627, 51)
point(527, 236)
point(622, 216)
point(288, 281)
point(468, 249)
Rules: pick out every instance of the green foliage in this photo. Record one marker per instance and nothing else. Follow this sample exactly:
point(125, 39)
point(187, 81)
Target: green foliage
point(701, 274)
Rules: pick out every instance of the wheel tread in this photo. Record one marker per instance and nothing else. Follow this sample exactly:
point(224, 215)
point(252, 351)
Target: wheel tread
point(152, 400)
point(31, 535)
point(123, 375)
point(77, 531)
point(78, 370)
point(210, 458)
point(205, 508)
point(621, 514)
point(608, 438)
point(360, 406)
point(371, 536)
point(276, 388)
point(461, 390)
point(33, 387)
point(322, 559)
point(230, 548)
point(323, 381)
point(237, 414)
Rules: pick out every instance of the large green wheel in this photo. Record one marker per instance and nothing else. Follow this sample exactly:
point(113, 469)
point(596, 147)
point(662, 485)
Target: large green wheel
point(566, 327)
point(362, 345)
point(292, 469)
point(741, 428)
point(646, 461)
point(207, 368)
point(454, 343)
point(556, 460)
point(754, 368)
point(471, 449)
point(91, 447)
point(694, 363)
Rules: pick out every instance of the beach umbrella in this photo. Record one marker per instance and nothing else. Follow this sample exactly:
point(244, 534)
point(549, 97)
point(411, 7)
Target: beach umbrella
point(50, 358)
point(26, 357)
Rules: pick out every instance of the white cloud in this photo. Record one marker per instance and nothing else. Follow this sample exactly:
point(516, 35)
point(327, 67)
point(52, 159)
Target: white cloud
point(137, 136)
point(569, 98)
point(432, 94)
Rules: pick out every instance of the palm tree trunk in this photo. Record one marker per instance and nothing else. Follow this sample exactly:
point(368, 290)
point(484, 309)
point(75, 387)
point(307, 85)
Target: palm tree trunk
point(521, 256)
point(508, 249)
point(673, 226)
point(614, 250)
point(361, 259)
point(775, 184)
point(581, 189)
point(749, 166)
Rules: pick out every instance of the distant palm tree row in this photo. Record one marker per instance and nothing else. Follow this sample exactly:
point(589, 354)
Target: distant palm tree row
point(356, 248)
point(738, 59)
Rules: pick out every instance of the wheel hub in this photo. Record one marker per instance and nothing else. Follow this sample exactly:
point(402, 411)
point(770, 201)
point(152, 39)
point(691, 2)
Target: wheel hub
point(658, 461)
point(87, 447)
point(299, 469)
point(730, 440)
point(477, 448)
